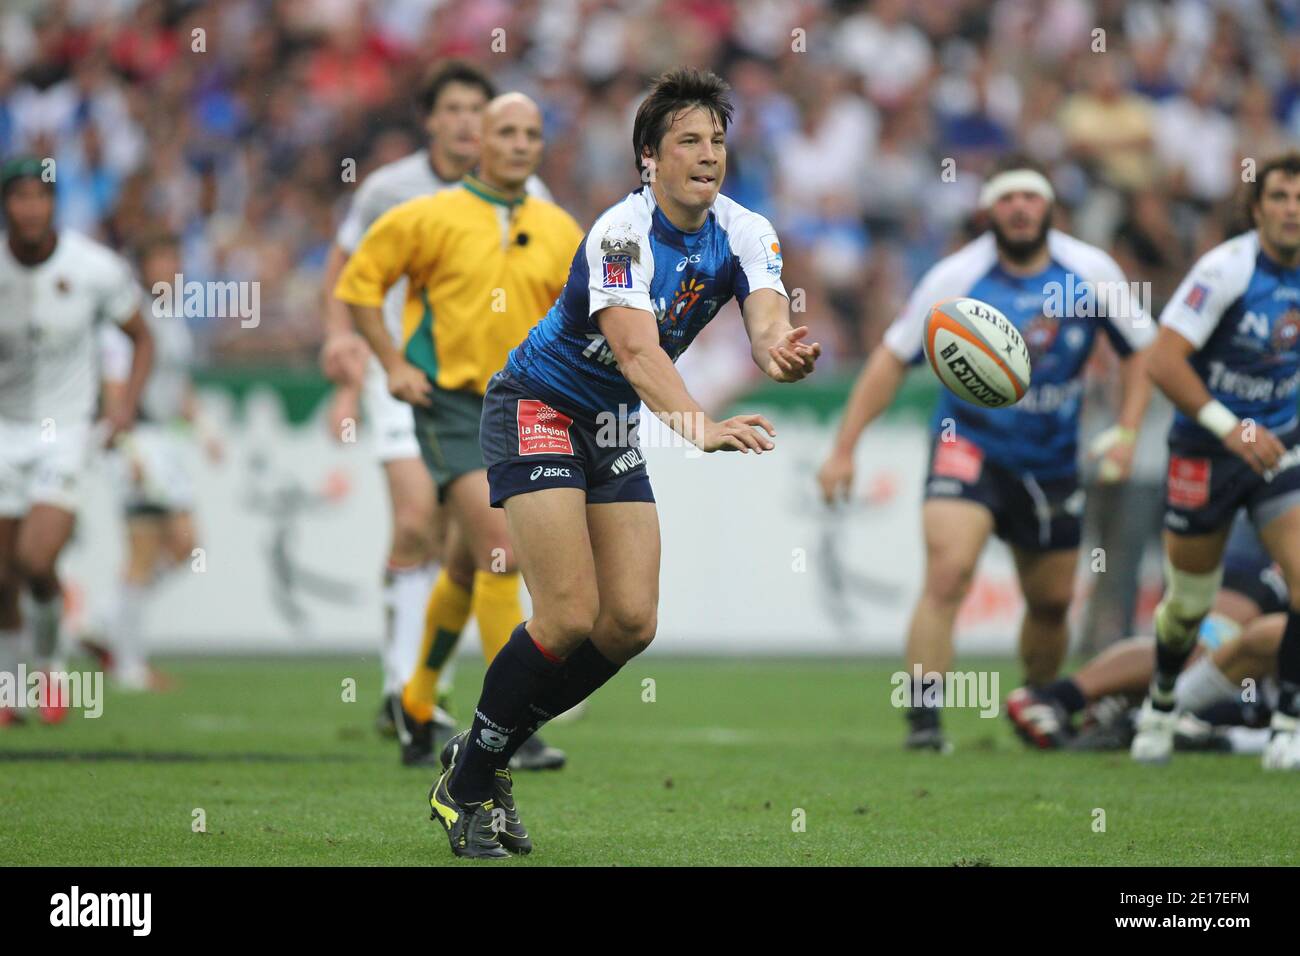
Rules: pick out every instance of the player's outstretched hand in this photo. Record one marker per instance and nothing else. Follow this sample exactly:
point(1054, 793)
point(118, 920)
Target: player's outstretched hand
point(406, 383)
point(1256, 445)
point(836, 477)
point(790, 359)
point(739, 433)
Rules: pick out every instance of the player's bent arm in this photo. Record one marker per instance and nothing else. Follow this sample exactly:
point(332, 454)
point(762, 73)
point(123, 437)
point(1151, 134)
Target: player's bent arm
point(1171, 371)
point(340, 358)
point(142, 351)
point(1135, 390)
point(776, 347)
point(405, 382)
point(872, 393)
point(633, 336)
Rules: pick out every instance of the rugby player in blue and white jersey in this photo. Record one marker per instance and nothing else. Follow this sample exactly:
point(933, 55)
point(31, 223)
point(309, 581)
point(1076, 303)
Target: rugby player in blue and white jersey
point(1011, 472)
point(559, 432)
point(1228, 357)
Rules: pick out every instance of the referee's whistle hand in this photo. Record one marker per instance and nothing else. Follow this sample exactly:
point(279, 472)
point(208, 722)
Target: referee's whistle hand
point(406, 383)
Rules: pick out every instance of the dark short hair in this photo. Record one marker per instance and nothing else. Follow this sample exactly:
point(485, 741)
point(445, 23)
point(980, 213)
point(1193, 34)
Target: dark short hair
point(443, 75)
point(672, 93)
point(1288, 163)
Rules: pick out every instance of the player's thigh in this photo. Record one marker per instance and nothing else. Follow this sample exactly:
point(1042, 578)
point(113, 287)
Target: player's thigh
point(483, 526)
point(1196, 553)
point(180, 535)
point(553, 548)
point(41, 537)
point(1047, 578)
point(9, 551)
point(956, 531)
point(1281, 538)
point(145, 537)
point(626, 547)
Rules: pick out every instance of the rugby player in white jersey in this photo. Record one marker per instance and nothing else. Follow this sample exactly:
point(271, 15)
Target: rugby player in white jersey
point(418, 643)
point(1228, 357)
point(156, 488)
point(1011, 472)
point(56, 287)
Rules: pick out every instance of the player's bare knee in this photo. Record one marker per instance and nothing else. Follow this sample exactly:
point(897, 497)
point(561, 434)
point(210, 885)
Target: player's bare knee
point(412, 533)
point(35, 568)
point(947, 582)
point(1049, 608)
point(630, 629)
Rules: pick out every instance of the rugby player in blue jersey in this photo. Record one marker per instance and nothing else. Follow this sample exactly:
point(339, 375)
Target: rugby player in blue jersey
point(559, 434)
point(1228, 357)
point(1011, 472)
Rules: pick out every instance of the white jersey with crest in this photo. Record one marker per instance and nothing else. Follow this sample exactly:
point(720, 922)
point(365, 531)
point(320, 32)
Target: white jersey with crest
point(49, 316)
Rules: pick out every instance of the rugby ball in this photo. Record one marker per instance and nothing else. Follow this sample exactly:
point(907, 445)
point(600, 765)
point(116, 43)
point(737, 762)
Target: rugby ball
point(977, 353)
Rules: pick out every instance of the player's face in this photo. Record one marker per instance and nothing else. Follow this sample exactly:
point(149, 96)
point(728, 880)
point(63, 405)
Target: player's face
point(1020, 221)
point(29, 211)
point(692, 159)
point(456, 121)
point(1277, 214)
point(512, 144)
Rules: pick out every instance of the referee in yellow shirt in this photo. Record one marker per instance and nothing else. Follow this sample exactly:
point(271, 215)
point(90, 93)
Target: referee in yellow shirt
point(484, 262)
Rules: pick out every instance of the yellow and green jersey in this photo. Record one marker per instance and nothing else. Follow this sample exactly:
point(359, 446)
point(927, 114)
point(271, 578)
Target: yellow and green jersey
point(482, 271)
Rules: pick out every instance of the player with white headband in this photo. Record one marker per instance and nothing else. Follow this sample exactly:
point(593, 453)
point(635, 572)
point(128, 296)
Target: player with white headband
point(1228, 357)
point(1012, 472)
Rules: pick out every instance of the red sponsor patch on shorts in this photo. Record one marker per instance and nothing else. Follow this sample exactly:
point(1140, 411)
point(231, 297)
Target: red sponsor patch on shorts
point(542, 430)
point(960, 459)
point(1189, 482)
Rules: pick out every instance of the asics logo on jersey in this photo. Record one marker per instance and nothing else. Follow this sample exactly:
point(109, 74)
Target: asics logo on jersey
point(685, 259)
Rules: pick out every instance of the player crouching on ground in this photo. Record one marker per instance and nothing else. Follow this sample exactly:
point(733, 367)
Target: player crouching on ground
point(653, 270)
point(1228, 357)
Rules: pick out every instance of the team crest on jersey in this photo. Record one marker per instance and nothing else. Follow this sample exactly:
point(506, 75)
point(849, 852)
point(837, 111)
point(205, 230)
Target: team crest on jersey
point(1040, 334)
point(618, 272)
point(1286, 332)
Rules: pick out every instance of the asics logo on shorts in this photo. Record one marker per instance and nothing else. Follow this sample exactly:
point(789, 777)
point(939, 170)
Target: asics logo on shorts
point(540, 472)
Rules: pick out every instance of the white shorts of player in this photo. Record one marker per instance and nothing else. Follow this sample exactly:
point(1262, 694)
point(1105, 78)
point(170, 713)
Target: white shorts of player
point(42, 463)
point(390, 422)
point(151, 471)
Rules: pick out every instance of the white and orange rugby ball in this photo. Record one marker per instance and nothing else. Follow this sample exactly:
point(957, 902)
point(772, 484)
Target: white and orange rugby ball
point(977, 353)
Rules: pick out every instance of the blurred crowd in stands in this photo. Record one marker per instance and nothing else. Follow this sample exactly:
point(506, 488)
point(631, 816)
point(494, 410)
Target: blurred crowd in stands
point(230, 121)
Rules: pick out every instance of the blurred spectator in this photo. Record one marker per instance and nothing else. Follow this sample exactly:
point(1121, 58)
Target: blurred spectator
point(862, 128)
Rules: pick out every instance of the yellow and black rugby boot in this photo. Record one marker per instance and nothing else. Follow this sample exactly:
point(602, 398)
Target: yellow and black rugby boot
point(510, 829)
point(471, 828)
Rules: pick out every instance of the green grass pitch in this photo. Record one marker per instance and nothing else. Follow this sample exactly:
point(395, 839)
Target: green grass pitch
point(714, 771)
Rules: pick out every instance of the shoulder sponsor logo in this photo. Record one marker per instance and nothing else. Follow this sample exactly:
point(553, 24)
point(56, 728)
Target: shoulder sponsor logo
point(621, 239)
point(542, 430)
point(772, 249)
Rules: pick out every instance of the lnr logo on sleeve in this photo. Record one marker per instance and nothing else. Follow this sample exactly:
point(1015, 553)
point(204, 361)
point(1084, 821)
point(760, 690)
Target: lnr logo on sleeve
point(618, 272)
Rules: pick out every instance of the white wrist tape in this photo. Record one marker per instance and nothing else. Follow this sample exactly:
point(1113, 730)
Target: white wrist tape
point(1214, 417)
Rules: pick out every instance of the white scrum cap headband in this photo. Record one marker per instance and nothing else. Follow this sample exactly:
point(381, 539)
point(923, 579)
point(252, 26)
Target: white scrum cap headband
point(1015, 181)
